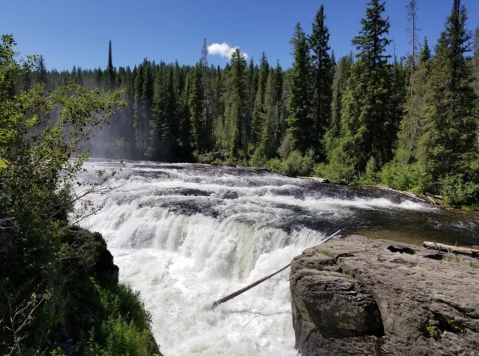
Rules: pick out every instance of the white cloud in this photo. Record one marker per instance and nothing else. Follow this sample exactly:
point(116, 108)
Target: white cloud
point(223, 50)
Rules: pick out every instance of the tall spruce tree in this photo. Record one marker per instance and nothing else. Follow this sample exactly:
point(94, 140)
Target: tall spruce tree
point(448, 147)
point(259, 111)
point(205, 84)
point(41, 71)
point(235, 105)
point(340, 82)
point(111, 73)
point(300, 124)
point(322, 80)
point(196, 104)
point(411, 129)
point(475, 59)
point(367, 127)
point(142, 107)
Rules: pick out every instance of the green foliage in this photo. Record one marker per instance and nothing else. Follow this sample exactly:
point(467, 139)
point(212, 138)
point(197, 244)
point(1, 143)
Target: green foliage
point(340, 169)
point(402, 176)
point(298, 165)
point(273, 164)
point(117, 323)
point(367, 126)
point(457, 191)
point(432, 331)
point(449, 143)
point(46, 265)
point(370, 176)
point(322, 80)
point(299, 121)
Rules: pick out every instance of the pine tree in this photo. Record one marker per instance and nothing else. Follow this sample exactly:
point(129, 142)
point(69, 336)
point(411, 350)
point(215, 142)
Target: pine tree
point(235, 105)
point(475, 59)
point(300, 124)
point(399, 74)
point(259, 111)
point(367, 127)
point(205, 84)
point(111, 73)
point(41, 71)
point(411, 126)
point(196, 104)
point(341, 75)
point(448, 148)
point(98, 78)
point(142, 107)
point(322, 81)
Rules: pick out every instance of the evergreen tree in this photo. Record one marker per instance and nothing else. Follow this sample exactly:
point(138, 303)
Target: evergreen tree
point(41, 71)
point(111, 73)
point(475, 59)
point(399, 73)
point(27, 77)
point(300, 125)
point(413, 32)
point(448, 147)
point(235, 105)
point(142, 107)
point(205, 84)
point(322, 80)
point(259, 111)
point(340, 81)
point(98, 78)
point(411, 125)
point(367, 127)
point(252, 76)
point(196, 104)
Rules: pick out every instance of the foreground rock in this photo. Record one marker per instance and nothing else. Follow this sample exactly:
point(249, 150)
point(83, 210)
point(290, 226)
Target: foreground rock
point(357, 296)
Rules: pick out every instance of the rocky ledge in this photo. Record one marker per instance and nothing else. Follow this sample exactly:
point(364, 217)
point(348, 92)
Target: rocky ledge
point(357, 296)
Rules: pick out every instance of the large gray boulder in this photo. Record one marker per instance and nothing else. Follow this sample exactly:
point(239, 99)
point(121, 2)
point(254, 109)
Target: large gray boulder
point(357, 296)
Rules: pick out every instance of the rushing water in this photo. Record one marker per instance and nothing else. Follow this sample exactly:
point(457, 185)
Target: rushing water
point(186, 235)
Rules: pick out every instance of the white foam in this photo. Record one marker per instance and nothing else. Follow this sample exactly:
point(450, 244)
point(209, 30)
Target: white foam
point(181, 264)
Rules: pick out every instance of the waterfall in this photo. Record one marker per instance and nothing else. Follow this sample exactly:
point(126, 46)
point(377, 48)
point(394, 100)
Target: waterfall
point(186, 235)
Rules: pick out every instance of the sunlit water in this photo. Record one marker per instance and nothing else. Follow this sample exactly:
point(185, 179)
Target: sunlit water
point(186, 235)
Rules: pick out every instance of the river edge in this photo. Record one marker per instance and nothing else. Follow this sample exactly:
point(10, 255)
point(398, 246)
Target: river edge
point(357, 296)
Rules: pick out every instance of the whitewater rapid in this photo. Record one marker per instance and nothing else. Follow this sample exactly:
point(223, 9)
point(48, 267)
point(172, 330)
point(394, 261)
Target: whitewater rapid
point(186, 235)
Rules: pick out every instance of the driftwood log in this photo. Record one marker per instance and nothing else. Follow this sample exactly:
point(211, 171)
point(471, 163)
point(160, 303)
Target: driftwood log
point(248, 287)
point(455, 249)
point(241, 291)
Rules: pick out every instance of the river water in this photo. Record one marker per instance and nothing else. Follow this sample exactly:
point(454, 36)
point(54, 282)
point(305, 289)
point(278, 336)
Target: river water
point(185, 235)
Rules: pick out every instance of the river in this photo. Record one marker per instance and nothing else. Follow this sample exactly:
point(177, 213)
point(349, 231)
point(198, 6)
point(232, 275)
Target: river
point(185, 235)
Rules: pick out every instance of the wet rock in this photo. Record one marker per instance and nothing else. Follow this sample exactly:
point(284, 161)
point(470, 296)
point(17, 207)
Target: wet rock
point(357, 296)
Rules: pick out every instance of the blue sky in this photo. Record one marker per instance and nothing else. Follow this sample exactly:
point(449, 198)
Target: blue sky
point(71, 33)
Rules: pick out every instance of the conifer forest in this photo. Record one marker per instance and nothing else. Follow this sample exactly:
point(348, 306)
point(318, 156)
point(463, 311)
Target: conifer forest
point(409, 122)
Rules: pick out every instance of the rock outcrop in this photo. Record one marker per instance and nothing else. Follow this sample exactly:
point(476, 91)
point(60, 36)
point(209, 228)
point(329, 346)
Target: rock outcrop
point(357, 296)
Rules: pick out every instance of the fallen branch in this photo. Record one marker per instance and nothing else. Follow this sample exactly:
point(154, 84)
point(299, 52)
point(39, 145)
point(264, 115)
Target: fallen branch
point(241, 291)
point(408, 194)
point(448, 248)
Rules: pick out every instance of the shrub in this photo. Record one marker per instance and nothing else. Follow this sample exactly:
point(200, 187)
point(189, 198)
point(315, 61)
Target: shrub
point(402, 176)
point(370, 176)
point(458, 192)
point(273, 164)
point(340, 168)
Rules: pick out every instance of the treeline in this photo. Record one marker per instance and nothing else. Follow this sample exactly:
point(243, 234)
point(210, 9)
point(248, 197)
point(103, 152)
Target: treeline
point(411, 123)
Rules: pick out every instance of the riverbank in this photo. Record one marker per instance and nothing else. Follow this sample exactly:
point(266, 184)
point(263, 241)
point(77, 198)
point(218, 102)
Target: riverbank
point(456, 195)
point(357, 296)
